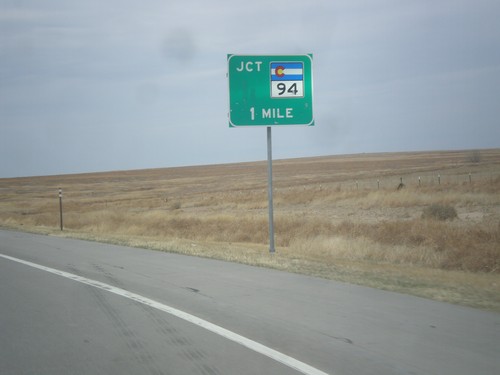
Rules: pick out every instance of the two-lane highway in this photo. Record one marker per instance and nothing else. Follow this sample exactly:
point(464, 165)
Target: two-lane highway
point(69, 306)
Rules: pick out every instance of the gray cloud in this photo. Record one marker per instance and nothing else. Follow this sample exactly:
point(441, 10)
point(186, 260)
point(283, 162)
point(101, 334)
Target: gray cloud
point(119, 85)
point(180, 46)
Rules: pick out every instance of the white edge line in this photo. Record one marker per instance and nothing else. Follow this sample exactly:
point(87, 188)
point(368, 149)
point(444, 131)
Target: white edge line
point(246, 342)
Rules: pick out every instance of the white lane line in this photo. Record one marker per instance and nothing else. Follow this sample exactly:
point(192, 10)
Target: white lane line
point(250, 344)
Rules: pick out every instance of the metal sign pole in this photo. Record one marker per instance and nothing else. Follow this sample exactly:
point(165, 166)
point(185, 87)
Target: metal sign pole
point(270, 189)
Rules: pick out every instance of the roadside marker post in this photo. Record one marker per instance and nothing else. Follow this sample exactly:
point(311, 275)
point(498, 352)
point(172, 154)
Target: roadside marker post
point(270, 91)
point(60, 208)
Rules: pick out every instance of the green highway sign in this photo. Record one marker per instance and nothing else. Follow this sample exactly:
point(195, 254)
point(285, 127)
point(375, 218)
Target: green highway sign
point(270, 90)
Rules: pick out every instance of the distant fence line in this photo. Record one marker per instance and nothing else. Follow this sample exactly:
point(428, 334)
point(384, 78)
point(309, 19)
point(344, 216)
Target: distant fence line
point(419, 180)
point(393, 182)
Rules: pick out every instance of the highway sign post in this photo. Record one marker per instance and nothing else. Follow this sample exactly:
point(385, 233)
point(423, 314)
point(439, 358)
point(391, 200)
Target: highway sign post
point(270, 90)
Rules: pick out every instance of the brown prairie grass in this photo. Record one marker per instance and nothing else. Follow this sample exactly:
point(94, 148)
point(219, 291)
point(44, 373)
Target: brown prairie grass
point(336, 217)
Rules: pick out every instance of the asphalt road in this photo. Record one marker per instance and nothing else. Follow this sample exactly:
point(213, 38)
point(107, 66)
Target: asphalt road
point(50, 324)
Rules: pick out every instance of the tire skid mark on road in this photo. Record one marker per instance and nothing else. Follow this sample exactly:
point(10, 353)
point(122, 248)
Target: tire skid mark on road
point(138, 348)
point(229, 335)
point(108, 276)
point(185, 346)
point(119, 325)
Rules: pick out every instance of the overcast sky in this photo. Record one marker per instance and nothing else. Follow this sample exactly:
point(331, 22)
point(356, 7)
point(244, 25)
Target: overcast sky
point(119, 84)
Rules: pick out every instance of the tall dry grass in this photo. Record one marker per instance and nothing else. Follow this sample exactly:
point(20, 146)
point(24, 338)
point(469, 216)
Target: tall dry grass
point(327, 209)
point(426, 243)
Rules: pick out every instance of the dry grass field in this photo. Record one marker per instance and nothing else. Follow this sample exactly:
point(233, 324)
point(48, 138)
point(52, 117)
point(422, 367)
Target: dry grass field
point(339, 217)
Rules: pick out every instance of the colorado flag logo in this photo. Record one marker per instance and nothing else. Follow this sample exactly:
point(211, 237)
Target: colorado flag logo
point(287, 79)
point(287, 71)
